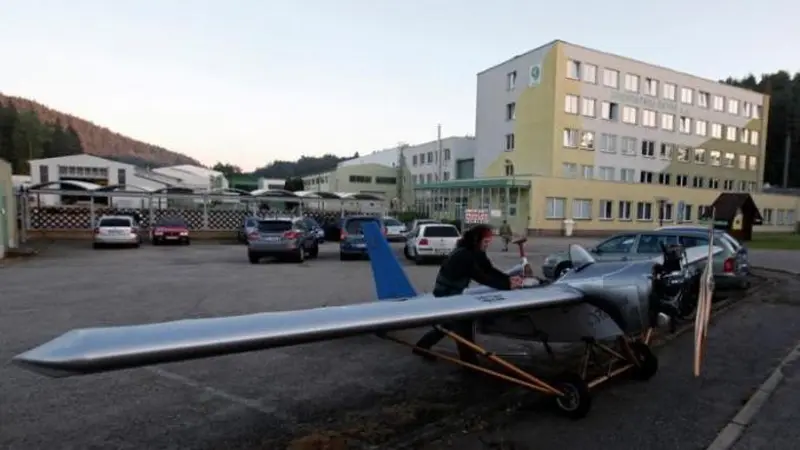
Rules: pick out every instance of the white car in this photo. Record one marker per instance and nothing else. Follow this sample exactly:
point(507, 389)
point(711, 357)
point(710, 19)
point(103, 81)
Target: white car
point(395, 230)
point(431, 241)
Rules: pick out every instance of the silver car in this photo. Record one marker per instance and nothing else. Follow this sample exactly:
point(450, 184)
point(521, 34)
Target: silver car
point(395, 230)
point(288, 238)
point(116, 230)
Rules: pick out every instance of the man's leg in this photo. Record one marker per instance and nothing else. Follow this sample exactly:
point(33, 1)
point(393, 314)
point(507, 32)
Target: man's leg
point(427, 341)
point(466, 330)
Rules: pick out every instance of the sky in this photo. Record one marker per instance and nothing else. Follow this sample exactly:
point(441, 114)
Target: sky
point(248, 81)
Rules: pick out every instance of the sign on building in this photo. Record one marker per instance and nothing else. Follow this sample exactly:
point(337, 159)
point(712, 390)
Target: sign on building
point(476, 216)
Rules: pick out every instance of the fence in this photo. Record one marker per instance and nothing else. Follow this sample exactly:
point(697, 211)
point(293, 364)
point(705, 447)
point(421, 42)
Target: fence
point(202, 212)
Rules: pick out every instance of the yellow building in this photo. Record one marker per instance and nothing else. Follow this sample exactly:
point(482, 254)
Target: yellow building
point(8, 215)
point(611, 143)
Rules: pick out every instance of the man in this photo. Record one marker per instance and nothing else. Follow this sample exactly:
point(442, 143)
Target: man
point(466, 263)
point(505, 234)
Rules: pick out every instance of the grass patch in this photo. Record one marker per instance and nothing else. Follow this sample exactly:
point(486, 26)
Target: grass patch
point(775, 241)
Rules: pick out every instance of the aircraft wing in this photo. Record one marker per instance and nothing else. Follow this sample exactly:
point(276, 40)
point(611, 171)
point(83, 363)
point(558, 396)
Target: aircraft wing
point(93, 350)
point(693, 254)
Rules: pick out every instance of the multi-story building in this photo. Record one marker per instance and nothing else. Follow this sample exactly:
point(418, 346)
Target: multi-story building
point(613, 143)
point(430, 162)
point(388, 183)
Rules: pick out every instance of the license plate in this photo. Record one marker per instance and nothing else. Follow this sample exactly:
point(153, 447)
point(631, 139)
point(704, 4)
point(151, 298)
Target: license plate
point(360, 245)
point(272, 239)
point(442, 251)
point(172, 237)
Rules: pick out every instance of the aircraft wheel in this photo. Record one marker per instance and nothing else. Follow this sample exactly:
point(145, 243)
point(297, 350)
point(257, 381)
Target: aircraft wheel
point(577, 400)
point(648, 362)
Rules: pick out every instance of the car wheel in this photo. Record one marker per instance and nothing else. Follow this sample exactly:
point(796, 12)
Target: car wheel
point(187, 241)
point(254, 258)
point(301, 254)
point(314, 251)
point(405, 252)
point(343, 256)
point(95, 245)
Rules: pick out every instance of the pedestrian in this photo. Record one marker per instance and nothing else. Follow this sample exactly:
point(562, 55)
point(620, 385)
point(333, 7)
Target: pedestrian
point(505, 234)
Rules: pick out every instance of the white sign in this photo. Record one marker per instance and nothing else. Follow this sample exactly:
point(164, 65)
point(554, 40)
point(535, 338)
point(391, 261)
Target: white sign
point(476, 216)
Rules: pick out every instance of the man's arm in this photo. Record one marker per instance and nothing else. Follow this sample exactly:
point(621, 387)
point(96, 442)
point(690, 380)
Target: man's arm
point(484, 273)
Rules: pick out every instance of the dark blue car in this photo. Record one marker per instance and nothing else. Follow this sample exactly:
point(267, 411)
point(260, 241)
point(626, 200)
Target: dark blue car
point(351, 242)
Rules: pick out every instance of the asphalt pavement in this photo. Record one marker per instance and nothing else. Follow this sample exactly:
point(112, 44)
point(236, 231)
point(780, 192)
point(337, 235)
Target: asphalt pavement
point(357, 392)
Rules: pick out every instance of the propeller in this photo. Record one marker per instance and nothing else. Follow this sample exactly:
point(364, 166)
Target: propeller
point(526, 266)
point(704, 302)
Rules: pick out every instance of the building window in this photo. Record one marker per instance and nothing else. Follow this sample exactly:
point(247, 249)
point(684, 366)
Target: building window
point(447, 154)
point(649, 118)
point(606, 210)
point(716, 131)
point(605, 173)
point(729, 160)
point(609, 111)
point(752, 163)
point(589, 73)
point(364, 179)
point(121, 177)
point(727, 185)
point(573, 69)
point(631, 82)
point(715, 156)
point(509, 143)
point(666, 151)
point(644, 211)
point(430, 154)
point(668, 91)
point(757, 111)
point(651, 87)
point(581, 209)
point(608, 143)
point(747, 109)
point(587, 172)
point(733, 106)
point(414, 160)
point(743, 162)
point(719, 103)
point(511, 111)
point(664, 178)
point(385, 180)
point(645, 177)
point(754, 137)
point(648, 148)
point(666, 212)
point(687, 213)
point(702, 99)
point(667, 121)
point(698, 182)
point(624, 210)
point(683, 154)
point(713, 183)
point(555, 207)
point(730, 133)
point(571, 104)
point(629, 114)
point(587, 140)
point(699, 156)
point(509, 169)
point(686, 95)
point(611, 78)
point(570, 170)
point(766, 214)
point(511, 80)
point(446, 175)
point(628, 146)
point(700, 127)
point(588, 107)
point(685, 125)
point(570, 138)
point(627, 175)
point(681, 180)
point(744, 136)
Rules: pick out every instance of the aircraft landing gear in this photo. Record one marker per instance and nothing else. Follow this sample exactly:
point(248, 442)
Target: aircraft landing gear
point(646, 363)
point(577, 400)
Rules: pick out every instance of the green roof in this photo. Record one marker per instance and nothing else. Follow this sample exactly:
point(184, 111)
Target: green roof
point(476, 183)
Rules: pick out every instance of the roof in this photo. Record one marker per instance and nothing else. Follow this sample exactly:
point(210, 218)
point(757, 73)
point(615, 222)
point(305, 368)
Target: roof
point(81, 185)
point(726, 206)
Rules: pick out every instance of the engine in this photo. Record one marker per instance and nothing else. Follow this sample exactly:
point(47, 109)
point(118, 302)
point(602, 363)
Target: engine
point(673, 286)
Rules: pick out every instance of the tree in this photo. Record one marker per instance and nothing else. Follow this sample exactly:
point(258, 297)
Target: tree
point(293, 184)
point(227, 169)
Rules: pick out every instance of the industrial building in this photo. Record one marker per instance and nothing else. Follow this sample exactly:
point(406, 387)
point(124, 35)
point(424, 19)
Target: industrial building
point(569, 133)
point(385, 182)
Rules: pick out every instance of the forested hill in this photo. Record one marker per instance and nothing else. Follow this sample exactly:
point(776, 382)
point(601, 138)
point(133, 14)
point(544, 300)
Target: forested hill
point(33, 125)
point(306, 165)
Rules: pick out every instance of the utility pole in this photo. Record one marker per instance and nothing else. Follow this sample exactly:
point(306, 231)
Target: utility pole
point(438, 196)
point(401, 172)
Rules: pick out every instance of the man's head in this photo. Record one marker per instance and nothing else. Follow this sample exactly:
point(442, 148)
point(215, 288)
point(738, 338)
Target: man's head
point(477, 238)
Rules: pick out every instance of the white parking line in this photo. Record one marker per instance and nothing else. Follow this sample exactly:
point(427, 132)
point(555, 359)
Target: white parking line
point(214, 392)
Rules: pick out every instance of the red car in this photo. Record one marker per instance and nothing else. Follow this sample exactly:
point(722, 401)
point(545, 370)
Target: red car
point(168, 230)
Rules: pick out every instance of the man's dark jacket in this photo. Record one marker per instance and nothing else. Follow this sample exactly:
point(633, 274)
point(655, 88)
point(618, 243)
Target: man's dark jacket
point(465, 265)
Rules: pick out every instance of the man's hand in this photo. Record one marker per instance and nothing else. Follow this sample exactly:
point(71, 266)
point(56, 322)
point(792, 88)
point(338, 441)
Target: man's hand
point(516, 282)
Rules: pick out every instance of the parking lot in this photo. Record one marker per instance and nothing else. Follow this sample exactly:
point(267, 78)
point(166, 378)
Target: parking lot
point(269, 399)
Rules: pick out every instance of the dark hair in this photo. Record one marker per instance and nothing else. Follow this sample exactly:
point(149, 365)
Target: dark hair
point(472, 238)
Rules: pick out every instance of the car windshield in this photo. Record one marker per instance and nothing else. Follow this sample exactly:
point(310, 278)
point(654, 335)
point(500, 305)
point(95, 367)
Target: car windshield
point(115, 222)
point(441, 231)
point(171, 222)
point(250, 222)
point(354, 226)
point(311, 222)
point(274, 226)
point(392, 222)
point(580, 257)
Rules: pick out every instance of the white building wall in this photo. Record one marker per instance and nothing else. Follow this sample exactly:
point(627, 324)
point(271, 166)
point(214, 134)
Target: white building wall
point(387, 157)
point(194, 177)
point(271, 183)
point(427, 166)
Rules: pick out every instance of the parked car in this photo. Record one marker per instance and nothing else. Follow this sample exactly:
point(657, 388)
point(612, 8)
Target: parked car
point(248, 226)
point(116, 230)
point(287, 238)
point(741, 250)
point(351, 239)
point(170, 229)
point(431, 241)
point(412, 228)
point(395, 230)
point(316, 228)
point(729, 271)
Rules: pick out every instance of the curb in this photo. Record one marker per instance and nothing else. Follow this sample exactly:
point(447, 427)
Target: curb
point(736, 427)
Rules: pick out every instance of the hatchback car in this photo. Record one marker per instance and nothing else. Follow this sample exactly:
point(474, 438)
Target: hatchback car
point(170, 229)
point(115, 231)
point(729, 272)
point(351, 240)
point(287, 238)
point(431, 241)
point(248, 226)
point(741, 250)
point(313, 225)
point(395, 230)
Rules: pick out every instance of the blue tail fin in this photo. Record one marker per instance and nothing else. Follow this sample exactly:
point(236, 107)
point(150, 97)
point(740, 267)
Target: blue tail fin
point(391, 281)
